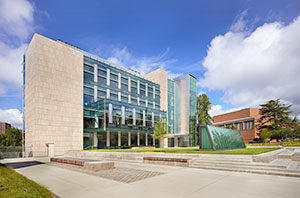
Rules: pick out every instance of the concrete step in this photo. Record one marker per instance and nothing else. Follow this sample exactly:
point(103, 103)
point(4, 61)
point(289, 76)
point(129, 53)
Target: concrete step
point(232, 166)
point(286, 155)
point(266, 172)
point(224, 160)
point(239, 163)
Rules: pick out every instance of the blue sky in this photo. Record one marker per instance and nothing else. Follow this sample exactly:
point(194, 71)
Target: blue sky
point(213, 40)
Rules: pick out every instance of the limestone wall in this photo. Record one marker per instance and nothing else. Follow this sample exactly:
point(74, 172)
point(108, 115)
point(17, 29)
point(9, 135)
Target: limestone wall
point(53, 97)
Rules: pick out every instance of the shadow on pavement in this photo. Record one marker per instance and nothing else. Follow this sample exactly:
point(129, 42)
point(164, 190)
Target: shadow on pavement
point(16, 165)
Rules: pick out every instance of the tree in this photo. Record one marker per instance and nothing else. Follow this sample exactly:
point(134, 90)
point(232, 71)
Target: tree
point(265, 134)
point(275, 117)
point(203, 107)
point(12, 137)
point(230, 127)
point(160, 130)
point(296, 132)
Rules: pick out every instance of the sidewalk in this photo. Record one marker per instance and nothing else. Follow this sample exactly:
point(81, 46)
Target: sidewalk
point(175, 182)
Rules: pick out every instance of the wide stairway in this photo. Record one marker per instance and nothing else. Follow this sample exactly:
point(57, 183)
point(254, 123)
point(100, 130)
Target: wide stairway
point(284, 166)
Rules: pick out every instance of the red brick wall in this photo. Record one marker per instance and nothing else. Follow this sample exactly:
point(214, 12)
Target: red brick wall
point(248, 135)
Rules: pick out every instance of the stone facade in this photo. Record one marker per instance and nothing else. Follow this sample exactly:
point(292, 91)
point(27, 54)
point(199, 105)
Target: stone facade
point(160, 76)
point(53, 97)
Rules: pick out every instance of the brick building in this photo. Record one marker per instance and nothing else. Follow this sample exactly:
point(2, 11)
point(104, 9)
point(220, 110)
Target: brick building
point(3, 127)
point(243, 120)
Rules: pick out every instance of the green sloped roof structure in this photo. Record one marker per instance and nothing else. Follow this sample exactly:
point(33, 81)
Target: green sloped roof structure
point(218, 138)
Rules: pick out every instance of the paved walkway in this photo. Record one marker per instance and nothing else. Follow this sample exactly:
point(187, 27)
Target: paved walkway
point(174, 182)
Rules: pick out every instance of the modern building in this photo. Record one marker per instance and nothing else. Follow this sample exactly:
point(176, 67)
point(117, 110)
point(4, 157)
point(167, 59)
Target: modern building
point(3, 127)
point(75, 100)
point(243, 120)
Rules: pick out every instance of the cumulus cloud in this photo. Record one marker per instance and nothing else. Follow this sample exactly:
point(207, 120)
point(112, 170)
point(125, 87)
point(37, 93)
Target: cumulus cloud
point(218, 109)
point(123, 57)
point(12, 116)
point(16, 24)
point(16, 18)
point(254, 67)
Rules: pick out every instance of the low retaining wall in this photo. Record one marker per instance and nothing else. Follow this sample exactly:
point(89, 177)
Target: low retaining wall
point(170, 161)
point(91, 165)
point(267, 157)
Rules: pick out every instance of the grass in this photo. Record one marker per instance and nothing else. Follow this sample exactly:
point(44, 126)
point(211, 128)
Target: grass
point(14, 185)
point(286, 144)
point(244, 151)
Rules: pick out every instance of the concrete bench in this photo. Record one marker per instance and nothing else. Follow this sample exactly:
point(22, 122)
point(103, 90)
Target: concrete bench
point(170, 161)
point(91, 165)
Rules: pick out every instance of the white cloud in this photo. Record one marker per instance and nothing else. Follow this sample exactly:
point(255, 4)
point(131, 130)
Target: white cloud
point(254, 67)
point(11, 64)
point(240, 23)
point(16, 24)
point(218, 109)
point(16, 18)
point(121, 56)
point(172, 75)
point(12, 116)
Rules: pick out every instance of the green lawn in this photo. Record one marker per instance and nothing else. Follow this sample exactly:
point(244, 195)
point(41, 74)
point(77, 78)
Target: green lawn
point(14, 185)
point(244, 151)
point(286, 144)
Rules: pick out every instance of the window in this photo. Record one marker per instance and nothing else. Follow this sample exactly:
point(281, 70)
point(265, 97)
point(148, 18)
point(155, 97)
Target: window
point(124, 80)
point(142, 86)
point(88, 91)
point(124, 99)
point(133, 100)
point(134, 90)
point(88, 78)
point(239, 125)
point(143, 93)
point(113, 76)
point(101, 72)
point(124, 87)
point(101, 81)
point(114, 96)
point(88, 99)
point(134, 83)
point(88, 68)
point(248, 125)
point(101, 93)
point(113, 84)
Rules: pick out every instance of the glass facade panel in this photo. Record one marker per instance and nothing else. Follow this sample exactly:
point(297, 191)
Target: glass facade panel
point(113, 139)
point(124, 139)
point(96, 118)
point(88, 68)
point(88, 78)
point(113, 84)
point(142, 139)
point(133, 138)
point(101, 81)
point(102, 72)
point(101, 139)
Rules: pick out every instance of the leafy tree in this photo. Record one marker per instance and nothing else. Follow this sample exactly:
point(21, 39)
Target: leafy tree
point(265, 134)
point(281, 134)
point(12, 137)
point(275, 117)
point(230, 127)
point(296, 132)
point(160, 130)
point(203, 107)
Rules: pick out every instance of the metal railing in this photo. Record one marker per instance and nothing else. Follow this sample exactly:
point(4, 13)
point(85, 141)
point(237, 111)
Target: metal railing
point(10, 152)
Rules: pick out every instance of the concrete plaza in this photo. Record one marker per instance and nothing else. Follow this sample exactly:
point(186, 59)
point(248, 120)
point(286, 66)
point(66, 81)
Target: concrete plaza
point(171, 182)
